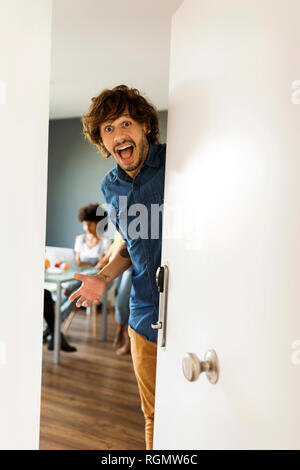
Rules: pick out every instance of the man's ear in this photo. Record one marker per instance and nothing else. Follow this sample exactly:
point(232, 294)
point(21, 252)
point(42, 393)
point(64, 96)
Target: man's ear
point(147, 128)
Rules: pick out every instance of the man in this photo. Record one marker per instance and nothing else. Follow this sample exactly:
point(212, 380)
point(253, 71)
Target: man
point(122, 123)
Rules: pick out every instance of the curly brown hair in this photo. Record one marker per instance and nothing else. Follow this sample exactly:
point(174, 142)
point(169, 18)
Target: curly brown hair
point(89, 213)
point(111, 104)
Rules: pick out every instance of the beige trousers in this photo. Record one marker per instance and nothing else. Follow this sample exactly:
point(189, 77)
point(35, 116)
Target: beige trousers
point(143, 354)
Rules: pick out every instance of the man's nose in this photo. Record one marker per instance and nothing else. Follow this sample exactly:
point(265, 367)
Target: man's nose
point(120, 136)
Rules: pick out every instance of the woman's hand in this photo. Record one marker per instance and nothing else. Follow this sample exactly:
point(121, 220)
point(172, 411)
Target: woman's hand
point(91, 289)
point(81, 263)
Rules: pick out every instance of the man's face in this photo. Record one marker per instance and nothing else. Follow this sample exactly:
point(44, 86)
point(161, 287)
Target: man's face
point(125, 139)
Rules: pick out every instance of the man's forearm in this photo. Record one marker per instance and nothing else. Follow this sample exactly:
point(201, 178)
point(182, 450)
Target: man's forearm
point(116, 266)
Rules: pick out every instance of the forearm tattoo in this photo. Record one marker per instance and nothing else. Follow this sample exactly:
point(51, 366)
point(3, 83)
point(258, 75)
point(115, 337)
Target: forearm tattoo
point(124, 253)
point(104, 277)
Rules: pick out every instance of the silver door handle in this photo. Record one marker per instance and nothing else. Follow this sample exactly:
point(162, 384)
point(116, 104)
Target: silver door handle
point(192, 366)
point(162, 279)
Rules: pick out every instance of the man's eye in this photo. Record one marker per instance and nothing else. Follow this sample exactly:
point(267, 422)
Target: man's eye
point(126, 123)
point(108, 129)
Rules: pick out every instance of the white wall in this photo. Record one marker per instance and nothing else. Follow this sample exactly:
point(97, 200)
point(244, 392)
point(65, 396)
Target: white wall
point(25, 30)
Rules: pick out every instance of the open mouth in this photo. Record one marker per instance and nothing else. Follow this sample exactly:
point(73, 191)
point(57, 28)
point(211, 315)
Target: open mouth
point(126, 153)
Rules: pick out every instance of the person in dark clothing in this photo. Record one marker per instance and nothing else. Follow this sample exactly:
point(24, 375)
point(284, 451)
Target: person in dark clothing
point(49, 317)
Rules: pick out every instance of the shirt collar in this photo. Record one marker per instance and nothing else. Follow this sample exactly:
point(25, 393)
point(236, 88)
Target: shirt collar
point(152, 160)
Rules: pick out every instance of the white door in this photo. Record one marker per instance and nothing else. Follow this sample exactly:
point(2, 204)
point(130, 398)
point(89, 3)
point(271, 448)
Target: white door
point(232, 186)
point(25, 33)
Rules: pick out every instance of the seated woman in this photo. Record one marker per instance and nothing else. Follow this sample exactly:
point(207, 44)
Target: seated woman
point(90, 248)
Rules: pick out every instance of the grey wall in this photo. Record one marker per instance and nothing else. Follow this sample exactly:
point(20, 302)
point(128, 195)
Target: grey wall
point(75, 170)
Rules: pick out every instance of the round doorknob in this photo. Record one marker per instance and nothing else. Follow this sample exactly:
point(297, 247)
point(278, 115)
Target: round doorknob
point(192, 366)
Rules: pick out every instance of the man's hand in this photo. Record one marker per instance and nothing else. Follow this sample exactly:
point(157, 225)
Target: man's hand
point(94, 286)
point(91, 289)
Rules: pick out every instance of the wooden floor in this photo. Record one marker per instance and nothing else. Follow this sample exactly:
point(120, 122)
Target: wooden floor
point(90, 400)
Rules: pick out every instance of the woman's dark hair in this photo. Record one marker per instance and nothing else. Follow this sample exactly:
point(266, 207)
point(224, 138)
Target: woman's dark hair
point(111, 104)
point(89, 213)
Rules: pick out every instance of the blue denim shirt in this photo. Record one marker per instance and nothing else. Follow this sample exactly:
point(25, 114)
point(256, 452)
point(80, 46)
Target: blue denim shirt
point(146, 188)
